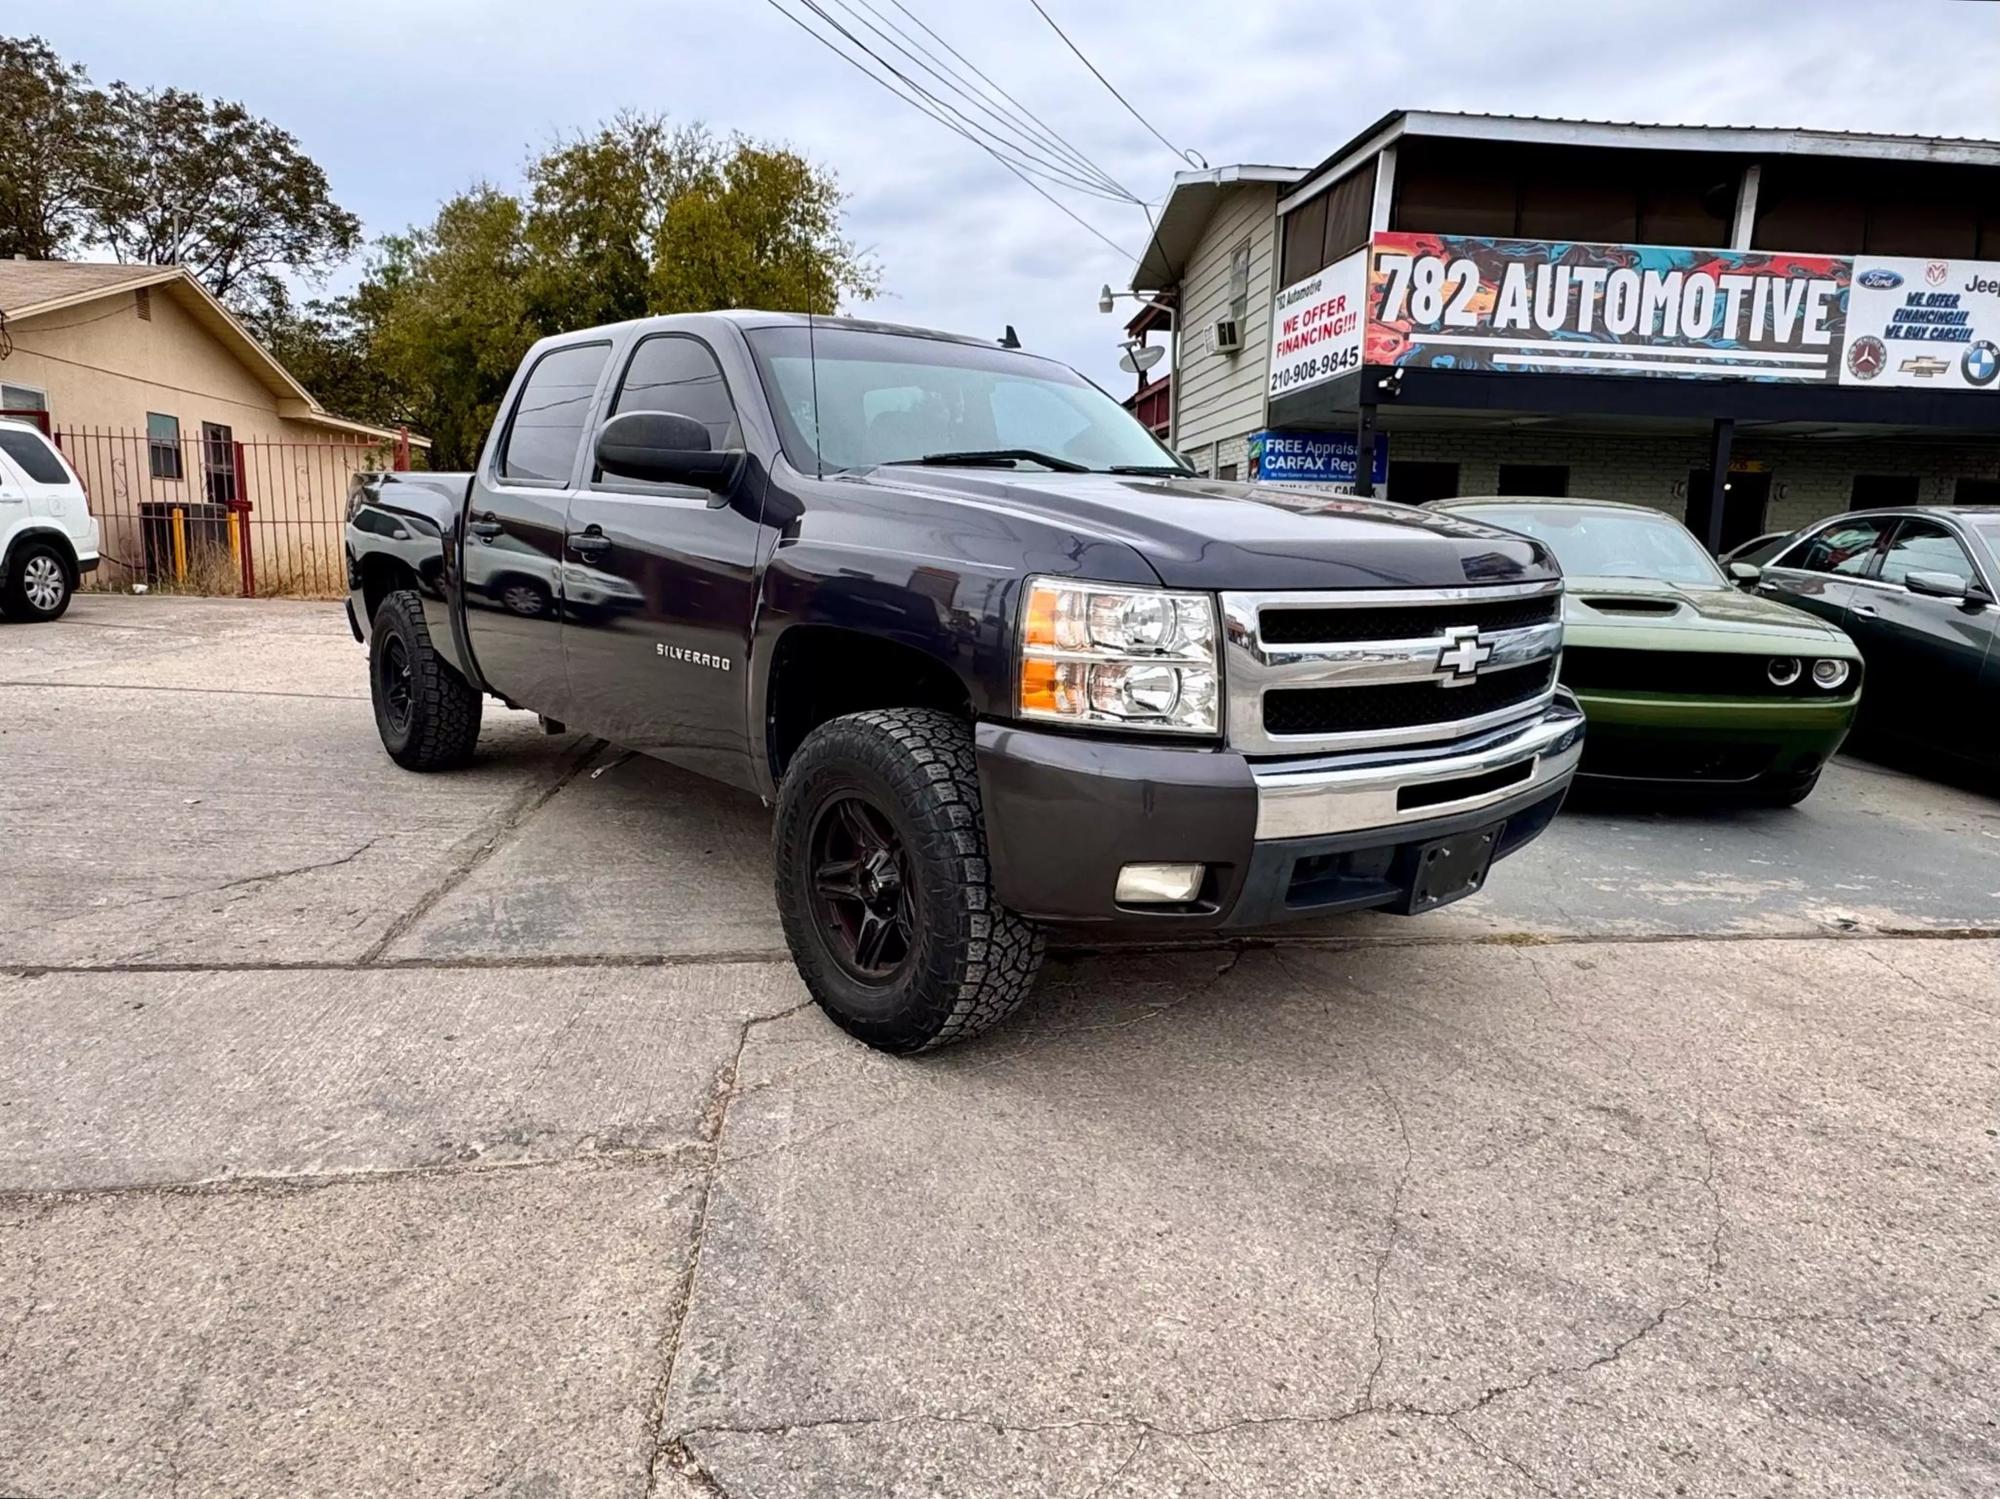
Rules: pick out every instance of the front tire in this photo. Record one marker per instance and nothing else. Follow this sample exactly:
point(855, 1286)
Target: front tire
point(427, 714)
point(38, 585)
point(884, 887)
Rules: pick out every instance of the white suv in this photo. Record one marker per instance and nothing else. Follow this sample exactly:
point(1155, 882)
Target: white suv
point(48, 538)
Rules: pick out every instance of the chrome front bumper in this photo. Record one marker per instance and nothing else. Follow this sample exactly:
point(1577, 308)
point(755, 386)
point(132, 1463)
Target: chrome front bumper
point(1378, 791)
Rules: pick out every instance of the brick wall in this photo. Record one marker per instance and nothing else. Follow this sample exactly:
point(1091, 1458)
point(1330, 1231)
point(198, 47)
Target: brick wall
point(1809, 478)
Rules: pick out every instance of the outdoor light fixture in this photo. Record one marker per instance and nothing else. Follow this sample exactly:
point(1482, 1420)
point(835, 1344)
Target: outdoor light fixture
point(1107, 299)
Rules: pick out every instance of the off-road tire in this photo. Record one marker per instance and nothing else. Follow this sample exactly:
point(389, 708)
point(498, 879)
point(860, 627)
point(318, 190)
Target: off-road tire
point(441, 727)
point(16, 603)
point(970, 961)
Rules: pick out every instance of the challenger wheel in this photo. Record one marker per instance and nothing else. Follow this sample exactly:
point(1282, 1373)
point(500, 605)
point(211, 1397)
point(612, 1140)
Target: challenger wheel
point(883, 884)
point(427, 714)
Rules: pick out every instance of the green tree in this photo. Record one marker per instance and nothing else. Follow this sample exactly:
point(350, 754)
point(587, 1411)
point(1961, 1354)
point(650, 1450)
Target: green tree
point(47, 168)
point(759, 228)
point(208, 185)
point(636, 218)
point(447, 319)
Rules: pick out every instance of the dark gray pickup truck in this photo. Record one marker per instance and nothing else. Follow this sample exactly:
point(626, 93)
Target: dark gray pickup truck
point(1003, 663)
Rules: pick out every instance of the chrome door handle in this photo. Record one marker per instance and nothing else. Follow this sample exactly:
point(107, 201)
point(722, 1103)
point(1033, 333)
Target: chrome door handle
point(590, 544)
point(485, 527)
point(1863, 610)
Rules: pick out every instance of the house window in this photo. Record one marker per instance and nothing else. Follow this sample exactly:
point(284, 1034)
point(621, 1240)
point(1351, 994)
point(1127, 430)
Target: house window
point(1227, 471)
point(1239, 282)
point(142, 303)
point(163, 445)
point(1548, 481)
point(23, 398)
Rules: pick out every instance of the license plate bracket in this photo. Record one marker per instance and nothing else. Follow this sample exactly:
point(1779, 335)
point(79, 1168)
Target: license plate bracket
point(1449, 869)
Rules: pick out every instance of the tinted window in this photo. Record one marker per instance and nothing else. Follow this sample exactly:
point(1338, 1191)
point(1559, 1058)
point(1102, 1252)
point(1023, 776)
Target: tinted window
point(1923, 546)
point(669, 372)
point(1844, 548)
point(37, 460)
point(548, 420)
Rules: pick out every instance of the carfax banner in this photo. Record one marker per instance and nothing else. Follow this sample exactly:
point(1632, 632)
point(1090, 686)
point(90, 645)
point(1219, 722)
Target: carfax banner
point(1467, 302)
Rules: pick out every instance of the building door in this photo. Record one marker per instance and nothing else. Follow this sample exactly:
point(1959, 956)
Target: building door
point(1882, 491)
point(1418, 483)
point(218, 463)
point(1745, 496)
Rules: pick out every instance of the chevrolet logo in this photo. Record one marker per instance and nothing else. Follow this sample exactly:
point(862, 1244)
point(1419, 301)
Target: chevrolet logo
point(1461, 655)
point(1923, 366)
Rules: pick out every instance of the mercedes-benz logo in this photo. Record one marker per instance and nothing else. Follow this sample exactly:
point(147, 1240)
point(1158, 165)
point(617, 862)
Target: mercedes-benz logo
point(1461, 655)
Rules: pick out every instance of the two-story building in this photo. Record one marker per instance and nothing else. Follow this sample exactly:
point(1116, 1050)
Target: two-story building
point(1748, 328)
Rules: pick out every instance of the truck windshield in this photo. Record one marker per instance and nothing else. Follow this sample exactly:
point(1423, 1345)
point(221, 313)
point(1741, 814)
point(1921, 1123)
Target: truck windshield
point(881, 398)
point(1611, 543)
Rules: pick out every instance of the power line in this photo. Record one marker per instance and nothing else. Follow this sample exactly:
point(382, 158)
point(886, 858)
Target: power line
point(1066, 162)
point(953, 119)
point(1192, 158)
point(918, 105)
point(1042, 126)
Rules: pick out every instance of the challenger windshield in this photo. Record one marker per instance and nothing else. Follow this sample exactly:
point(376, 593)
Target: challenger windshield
point(1611, 543)
point(854, 398)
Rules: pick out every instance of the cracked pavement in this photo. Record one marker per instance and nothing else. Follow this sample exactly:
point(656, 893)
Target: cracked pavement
point(363, 1133)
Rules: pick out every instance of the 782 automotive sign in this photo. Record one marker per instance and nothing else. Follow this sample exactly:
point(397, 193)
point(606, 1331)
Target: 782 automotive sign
point(1533, 305)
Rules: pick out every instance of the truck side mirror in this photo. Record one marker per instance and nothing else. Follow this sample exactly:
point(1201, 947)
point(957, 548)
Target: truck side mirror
point(664, 447)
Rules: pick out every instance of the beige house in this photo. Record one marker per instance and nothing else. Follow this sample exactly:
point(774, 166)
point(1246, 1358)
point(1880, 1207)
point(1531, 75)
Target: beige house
point(198, 448)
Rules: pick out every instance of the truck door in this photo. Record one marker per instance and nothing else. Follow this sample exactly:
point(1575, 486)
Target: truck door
point(514, 530)
point(660, 582)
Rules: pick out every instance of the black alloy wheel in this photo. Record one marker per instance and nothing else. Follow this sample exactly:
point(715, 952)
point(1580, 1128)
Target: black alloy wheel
point(862, 893)
point(398, 697)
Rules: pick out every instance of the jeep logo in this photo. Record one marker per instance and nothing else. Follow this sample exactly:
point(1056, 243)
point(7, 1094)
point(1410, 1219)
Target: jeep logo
point(1461, 655)
point(1980, 283)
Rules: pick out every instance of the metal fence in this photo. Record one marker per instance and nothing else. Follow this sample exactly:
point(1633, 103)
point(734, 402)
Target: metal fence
point(210, 514)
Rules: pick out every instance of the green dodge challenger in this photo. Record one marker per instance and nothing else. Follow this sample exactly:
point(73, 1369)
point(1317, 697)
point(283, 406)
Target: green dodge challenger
point(1683, 678)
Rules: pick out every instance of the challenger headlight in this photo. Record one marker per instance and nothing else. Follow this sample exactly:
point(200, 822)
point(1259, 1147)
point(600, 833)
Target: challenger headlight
point(1830, 674)
point(1129, 658)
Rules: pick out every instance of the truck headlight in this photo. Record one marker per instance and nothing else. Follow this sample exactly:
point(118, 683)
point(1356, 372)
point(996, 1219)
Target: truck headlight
point(1129, 658)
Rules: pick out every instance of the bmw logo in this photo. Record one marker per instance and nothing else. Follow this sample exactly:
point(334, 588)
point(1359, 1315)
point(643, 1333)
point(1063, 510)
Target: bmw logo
point(1981, 363)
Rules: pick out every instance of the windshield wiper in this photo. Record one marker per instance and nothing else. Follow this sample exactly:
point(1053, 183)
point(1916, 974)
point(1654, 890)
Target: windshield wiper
point(1152, 470)
point(995, 457)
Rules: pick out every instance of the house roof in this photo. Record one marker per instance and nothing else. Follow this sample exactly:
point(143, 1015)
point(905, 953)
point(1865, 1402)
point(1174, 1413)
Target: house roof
point(1189, 206)
point(33, 288)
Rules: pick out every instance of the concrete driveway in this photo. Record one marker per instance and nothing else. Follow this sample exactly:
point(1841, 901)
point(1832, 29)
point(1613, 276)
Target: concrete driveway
point(363, 1133)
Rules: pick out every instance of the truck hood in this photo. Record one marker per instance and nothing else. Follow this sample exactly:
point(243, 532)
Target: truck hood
point(1199, 533)
point(1651, 614)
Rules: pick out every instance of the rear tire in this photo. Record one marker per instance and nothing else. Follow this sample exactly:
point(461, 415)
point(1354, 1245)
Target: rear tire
point(427, 714)
point(38, 585)
point(884, 887)
point(1784, 791)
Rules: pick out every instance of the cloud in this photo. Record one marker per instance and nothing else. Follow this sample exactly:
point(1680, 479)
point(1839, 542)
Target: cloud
point(406, 101)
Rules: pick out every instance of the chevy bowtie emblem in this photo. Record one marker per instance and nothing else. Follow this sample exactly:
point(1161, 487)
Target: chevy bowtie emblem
point(1461, 655)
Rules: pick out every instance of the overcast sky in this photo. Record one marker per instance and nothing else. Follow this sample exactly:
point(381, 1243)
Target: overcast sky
point(407, 101)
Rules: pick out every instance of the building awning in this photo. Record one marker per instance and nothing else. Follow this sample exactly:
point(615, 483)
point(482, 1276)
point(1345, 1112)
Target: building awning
point(1190, 205)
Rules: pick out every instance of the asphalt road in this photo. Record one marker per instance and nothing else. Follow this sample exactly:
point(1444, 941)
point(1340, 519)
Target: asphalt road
point(363, 1133)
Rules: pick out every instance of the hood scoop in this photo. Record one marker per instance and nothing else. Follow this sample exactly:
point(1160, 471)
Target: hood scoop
point(1625, 604)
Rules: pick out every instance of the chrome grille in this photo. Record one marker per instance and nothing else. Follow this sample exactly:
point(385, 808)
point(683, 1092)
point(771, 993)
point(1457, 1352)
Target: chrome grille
point(1386, 666)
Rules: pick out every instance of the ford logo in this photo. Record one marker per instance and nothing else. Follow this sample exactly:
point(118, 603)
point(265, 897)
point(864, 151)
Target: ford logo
point(1879, 280)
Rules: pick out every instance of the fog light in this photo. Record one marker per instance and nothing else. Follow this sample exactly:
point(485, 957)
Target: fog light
point(1830, 674)
point(1158, 884)
point(1783, 671)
